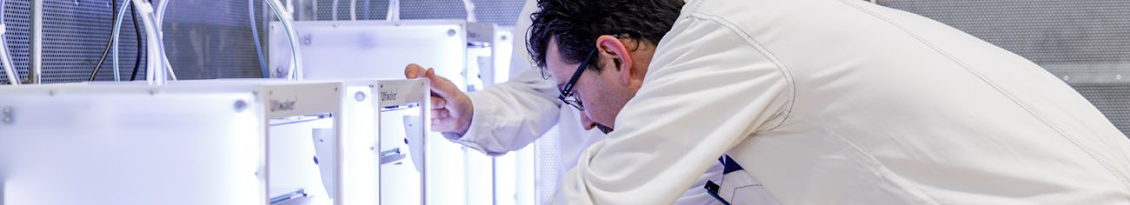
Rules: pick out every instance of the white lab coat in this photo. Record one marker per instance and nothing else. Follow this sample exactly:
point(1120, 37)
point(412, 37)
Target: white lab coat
point(511, 115)
point(847, 102)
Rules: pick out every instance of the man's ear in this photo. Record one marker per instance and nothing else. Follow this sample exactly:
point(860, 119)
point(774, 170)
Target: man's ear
point(613, 51)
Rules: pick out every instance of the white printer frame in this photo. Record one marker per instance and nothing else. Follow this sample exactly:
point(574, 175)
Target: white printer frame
point(462, 51)
point(78, 120)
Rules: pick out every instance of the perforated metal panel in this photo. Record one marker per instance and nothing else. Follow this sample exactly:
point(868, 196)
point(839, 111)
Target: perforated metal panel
point(205, 39)
point(1084, 42)
point(16, 17)
point(208, 39)
point(1111, 99)
point(501, 12)
point(547, 166)
point(366, 9)
point(74, 35)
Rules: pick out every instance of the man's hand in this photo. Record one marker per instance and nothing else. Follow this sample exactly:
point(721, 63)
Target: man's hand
point(451, 108)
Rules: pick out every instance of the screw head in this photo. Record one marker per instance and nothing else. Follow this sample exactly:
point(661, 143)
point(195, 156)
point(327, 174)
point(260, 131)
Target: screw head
point(240, 105)
point(360, 96)
point(7, 115)
point(280, 72)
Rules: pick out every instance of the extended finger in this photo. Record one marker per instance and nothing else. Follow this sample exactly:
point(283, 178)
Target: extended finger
point(438, 113)
point(440, 85)
point(443, 125)
point(438, 103)
point(412, 71)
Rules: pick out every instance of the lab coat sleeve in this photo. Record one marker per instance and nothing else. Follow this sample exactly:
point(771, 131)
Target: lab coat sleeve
point(709, 87)
point(511, 115)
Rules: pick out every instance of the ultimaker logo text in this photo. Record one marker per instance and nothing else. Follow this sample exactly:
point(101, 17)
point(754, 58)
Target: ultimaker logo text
point(284, 105)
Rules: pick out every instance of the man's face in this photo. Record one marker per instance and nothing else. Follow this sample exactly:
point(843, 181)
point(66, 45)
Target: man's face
point(603, 93)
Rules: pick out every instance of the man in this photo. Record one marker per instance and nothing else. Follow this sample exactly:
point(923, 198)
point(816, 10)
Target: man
point(823, 101)
point(512, 115)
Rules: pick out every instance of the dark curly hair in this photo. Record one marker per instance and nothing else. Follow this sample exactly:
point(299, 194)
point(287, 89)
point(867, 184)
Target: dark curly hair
point(577, 23)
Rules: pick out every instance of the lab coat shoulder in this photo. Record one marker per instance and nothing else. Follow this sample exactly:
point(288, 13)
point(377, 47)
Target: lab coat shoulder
point(708, 87)
point(711, 69)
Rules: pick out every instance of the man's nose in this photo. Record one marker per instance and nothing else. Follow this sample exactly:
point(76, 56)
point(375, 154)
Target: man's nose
point(586, 121)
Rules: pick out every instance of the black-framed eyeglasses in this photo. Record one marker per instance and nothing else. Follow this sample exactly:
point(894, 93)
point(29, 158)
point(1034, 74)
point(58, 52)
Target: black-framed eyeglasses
point(567, 96)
